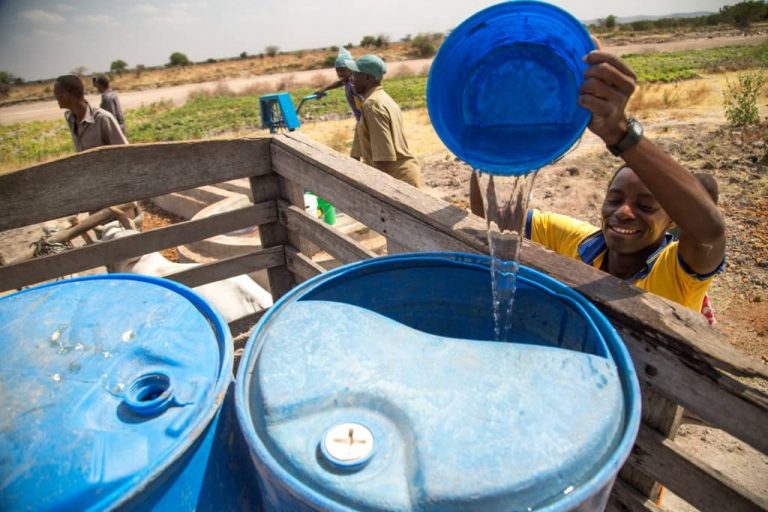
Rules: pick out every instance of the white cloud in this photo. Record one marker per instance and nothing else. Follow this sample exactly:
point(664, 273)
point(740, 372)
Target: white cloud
point(97, 19)
point(146, 9)
point(40, 33)
point(41, 16)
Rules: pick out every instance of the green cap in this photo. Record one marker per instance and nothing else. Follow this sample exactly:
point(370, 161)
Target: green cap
point(369, 64)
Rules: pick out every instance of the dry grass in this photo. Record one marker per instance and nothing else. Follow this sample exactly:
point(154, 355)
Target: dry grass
point(422, 139)
point(649, 97)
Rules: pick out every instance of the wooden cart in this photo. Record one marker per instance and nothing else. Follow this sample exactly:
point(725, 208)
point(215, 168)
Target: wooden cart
point(681, 361)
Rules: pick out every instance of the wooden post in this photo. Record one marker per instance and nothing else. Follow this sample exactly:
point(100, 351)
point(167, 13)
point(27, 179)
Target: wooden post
point(263, 188)
point(664, 416)
point(294, 194)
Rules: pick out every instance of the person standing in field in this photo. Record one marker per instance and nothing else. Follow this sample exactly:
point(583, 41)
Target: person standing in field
point(90, 127)
point(109, 100)
point(345, 74)
point(380, 138)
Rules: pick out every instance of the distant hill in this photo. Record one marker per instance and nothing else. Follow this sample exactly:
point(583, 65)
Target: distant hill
point(630, 19)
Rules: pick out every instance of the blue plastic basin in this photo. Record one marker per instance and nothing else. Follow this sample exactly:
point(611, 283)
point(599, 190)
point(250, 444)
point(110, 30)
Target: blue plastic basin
point(452, 421)
point(503, 88)
point(117, 393)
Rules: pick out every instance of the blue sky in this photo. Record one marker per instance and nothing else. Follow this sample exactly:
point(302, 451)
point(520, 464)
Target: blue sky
point(45, 38)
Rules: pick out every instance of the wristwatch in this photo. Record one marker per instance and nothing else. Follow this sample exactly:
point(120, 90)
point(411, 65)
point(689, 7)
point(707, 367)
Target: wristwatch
point(633, 136)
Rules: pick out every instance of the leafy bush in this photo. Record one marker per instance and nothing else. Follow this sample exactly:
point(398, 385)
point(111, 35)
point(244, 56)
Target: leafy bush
point(330, 61)
point(6, 81)
point(423, 46)
point(178, 59)
point(740, 98)
point(243, 55)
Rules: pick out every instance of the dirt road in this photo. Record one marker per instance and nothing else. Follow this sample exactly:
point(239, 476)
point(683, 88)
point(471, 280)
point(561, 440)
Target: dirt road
point(44, 110)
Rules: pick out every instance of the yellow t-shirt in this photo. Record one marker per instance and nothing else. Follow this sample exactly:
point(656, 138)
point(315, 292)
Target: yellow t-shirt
point(665, 273)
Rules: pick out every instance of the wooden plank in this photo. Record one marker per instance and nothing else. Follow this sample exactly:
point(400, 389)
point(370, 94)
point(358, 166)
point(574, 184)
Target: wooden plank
point(272, 233)
point(724, 402)
point(84, 258)
point(230, 267)
point(335, 243)
point(302, 266)
point(386, 205)
point(112, 175)
point(693, 352)
point(626, 499)
point(243, 326)
point(395, 247)
point(664, 416)
point(294, 194)
point(690, 478)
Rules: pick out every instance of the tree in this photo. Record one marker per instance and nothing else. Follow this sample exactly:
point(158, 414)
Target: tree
point(118, 66)
point(178, 59)
point(244, 55)
point(610, 22)
point(6, 81)
point(271, 50)
point(744, 13)
point(367, 41)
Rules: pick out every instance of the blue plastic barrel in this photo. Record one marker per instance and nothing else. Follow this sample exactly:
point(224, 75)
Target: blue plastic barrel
point(117, 393)
point(377, 386)
point(503, 89)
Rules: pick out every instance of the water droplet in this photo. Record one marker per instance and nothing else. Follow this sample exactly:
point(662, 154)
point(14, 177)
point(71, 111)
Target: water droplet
point(79, 346)
point(568, 490)
point(128, 336)
point(64, 349)
point(55, 336)
point(106, 355)
point(56, 377)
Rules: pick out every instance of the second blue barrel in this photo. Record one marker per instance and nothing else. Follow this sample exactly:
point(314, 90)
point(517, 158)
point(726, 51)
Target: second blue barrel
point(378, 386)
point(116, 394)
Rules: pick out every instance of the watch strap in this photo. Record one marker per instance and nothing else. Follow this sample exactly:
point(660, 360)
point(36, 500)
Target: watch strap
point(631, 138)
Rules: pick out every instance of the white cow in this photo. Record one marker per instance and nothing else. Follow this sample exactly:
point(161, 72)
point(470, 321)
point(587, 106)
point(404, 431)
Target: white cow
point(234, 297)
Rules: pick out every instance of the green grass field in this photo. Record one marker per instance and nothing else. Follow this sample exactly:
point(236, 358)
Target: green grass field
point(210, 116)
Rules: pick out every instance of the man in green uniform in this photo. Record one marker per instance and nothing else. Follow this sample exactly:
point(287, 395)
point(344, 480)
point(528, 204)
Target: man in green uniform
point(380, 140)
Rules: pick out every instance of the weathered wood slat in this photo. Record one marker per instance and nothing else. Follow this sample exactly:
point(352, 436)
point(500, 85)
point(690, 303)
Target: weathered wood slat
point(272, 233)
point(241, 327)
point(690, 478)
point(335, 243)
point(84, 258)
point(387, 206)
point(724, 402)
point(626, 499)
point(230, 267)
point(693, 352)
point(302, 266)
point(118, 174)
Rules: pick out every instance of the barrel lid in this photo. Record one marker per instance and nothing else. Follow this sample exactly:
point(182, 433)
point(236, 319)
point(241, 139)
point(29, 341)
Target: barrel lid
point(104, 382)
point(453, 423)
